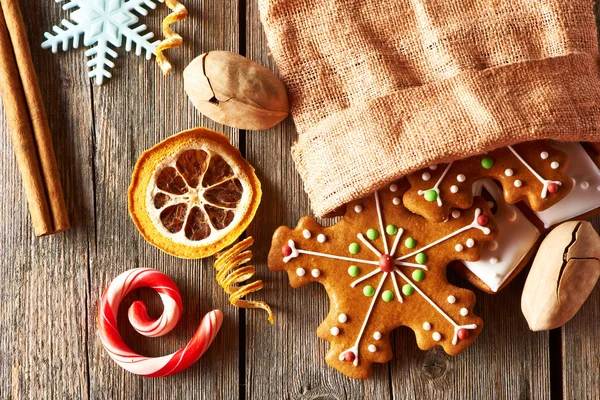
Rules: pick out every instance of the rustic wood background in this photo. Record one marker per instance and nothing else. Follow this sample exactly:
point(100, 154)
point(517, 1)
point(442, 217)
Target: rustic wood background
point(49, 287)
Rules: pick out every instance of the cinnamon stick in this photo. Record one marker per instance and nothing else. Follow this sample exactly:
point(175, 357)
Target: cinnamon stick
point(28, 124)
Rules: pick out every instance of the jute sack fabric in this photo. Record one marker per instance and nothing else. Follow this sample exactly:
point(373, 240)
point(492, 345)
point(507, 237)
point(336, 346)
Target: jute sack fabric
point(380, 89)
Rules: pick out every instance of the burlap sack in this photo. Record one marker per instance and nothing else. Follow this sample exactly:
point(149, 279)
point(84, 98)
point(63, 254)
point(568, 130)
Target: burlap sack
point(382, 88)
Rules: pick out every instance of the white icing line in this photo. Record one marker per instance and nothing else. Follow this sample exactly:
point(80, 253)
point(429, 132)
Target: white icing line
point(473, 224)
point(369, 245)
point(437, 184)
point(544, 182)
point(296, 252)
point(396, 288)
point(385, 245)
point(370, 274)
point(437, 308)
point(396, 241)
point(413, 265)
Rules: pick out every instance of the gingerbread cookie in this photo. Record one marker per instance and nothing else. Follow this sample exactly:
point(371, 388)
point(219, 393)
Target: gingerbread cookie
point(385, 267)
point(504, 257)
point(533, 172)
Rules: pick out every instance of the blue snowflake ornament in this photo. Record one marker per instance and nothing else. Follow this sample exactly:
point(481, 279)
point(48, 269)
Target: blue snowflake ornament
point(103, 23)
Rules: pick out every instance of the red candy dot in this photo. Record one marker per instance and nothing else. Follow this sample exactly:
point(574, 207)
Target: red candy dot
point(349, 356)
point(482, 220)
point(386, 263)
point(462, 334)
point(286, 251)
point(552, 188)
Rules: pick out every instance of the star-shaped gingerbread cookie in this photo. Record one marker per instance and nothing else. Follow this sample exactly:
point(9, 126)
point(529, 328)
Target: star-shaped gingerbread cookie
point(385, 267)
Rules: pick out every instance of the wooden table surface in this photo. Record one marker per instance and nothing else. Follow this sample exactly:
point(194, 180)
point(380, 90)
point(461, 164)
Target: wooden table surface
point(49, 287)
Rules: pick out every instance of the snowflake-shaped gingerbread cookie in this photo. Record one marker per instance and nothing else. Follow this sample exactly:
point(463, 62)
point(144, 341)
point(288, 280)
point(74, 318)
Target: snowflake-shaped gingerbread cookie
point(385, 267)
point(534, 172)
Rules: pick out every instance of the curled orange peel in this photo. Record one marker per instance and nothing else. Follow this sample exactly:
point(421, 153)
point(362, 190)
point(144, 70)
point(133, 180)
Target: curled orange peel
point(172, 39)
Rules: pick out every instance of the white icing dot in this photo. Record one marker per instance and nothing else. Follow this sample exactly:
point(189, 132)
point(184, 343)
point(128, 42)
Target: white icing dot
point(490, 204)
point(377, 336)
point(454, 188)
point(451, 299)
point(372, 348)
point(315, 273)
point(393, 187)
point(426, 176)
point(335, 331)
point(461, 178)
point(321, 238)
point(508, 172)
point(584, 185)
point(426, 326)
point(306, 234)
point(396, 201)
point(554, 165)
point(494, 260)
point(433, 167)
point(459, 247)
point(300, 272)
point(464, 312)
point(436, 336)
point(518, 183)
point(544, 155)
point(470, 243)
point(455, 214)
point(358, 208)
point(342, 318)
point(492, 246)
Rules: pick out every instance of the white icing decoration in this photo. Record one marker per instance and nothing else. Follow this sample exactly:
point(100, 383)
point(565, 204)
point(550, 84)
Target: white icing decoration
point(554, 165)
point(426, 326)
point(358, 208)
point(393, 187)
point(436, 336)
point(377, 336)
point(470, 242)
point(516, 236)
point(459, 247)
point(321, 238)
point(396, 201)
point(300, 272)
point(455, 214)
point(451, 299)
point(454, 189)
point(435, 188)
point(315, 273)
point(544, 155)
point(426, 176)
point(464, 312)
point(518, 183)
point(433, 167)
point(544, 182)
point(342, 318)
point(461, 178)
point(306, 234)
point(335, 331)
point(508, 172)
point(579, 201)
point(585, 185)
point(372, 348)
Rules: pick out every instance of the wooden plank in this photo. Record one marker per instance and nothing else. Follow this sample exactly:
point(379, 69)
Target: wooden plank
point(44, 281)
point(581, 348)
point(135, 110)
point(300, 370)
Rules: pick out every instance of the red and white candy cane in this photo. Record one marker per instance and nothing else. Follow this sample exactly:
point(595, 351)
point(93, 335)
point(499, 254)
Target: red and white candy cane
point(141, 322)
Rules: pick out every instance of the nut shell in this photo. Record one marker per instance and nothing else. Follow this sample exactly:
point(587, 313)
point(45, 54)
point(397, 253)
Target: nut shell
point(235, 91)
point(564, 272)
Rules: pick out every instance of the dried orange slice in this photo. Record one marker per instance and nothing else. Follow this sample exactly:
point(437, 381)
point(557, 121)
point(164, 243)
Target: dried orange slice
point(193, 194)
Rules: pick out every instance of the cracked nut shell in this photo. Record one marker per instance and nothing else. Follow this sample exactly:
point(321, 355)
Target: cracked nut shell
point(564, 272)
point(235, 91)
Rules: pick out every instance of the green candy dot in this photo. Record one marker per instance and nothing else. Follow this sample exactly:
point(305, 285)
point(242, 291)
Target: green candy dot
point(353, 270)
point(369, 291)
point(387, 296)
point(487, 162)
point(431, 195)
point(391, 230)
point(372, 234)
point(418, 275)
point(410, 243)
point(407, 290)
point(421, 258)
point(354, 248)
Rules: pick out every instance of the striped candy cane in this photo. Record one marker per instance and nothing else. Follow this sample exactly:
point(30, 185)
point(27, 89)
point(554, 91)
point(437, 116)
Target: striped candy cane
point(141, 322)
